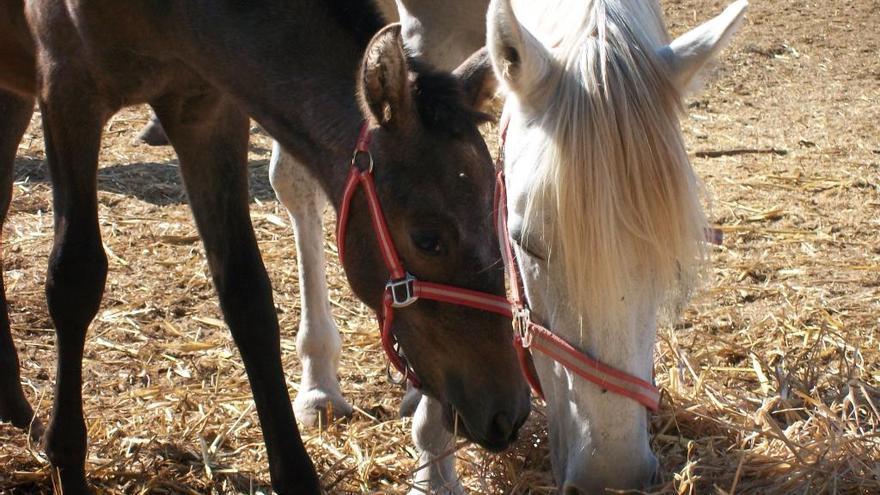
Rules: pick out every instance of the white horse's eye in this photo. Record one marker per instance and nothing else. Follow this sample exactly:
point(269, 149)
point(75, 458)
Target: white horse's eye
point(528, 244)
point(531, 251)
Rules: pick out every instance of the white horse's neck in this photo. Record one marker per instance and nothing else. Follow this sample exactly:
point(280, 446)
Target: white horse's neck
point(443, 33)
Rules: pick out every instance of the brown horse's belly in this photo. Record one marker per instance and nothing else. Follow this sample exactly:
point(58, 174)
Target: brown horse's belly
point(17, 67)
point(124, 48)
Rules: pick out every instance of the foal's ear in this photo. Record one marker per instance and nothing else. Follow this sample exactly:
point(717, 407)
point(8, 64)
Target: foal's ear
point(477, 79)
point(688, 53)
point(519, 59)
point(384, 83)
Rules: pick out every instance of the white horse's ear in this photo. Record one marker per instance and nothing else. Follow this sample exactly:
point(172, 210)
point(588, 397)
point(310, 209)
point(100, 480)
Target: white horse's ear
point(384, 85)
point(688, 53)
point(518, 58)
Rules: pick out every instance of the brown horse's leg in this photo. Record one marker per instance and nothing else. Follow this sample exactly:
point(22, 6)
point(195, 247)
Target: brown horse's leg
point(77, 272)
point(210, 136)
point(16, 112)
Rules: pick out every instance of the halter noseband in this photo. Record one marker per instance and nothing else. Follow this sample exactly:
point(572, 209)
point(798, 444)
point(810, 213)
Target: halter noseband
point(402, 288)
point(530, 335)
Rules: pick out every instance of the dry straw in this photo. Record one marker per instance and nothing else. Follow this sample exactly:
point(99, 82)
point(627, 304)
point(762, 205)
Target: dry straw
point(770, 379)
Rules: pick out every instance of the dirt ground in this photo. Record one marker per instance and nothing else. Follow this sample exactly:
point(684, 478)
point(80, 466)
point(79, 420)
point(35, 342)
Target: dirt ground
point(770, 378)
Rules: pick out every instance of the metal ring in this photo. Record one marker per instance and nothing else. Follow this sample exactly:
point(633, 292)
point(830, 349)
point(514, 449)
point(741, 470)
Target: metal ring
point(390, 373)
point(355, 164)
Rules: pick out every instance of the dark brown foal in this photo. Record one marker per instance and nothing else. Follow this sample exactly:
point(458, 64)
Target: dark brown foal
point(16, 111)
point(296, 67)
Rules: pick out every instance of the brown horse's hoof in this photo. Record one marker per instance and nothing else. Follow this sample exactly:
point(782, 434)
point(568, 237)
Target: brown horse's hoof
point(153, 134)
point(70, 481)
point(20, 414)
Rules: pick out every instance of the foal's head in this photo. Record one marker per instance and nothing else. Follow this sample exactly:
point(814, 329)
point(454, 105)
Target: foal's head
point(603, 205)
point(434, 178)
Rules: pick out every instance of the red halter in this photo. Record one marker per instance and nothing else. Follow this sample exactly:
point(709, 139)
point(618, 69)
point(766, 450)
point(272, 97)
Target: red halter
point(402, 288)
point(530, 335)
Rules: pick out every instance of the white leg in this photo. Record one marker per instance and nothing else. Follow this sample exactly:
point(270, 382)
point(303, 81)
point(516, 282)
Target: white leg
point(410, 401)
point(317, 343)
point(434, 443)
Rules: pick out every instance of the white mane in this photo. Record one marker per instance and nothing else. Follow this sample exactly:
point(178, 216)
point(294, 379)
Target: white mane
point(614, 178)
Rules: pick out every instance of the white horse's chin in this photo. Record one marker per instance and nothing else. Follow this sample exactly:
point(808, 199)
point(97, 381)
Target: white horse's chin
point(631, 473)
point(598, 439)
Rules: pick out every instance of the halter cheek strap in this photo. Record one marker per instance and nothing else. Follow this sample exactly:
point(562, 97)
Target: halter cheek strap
point(402, 288)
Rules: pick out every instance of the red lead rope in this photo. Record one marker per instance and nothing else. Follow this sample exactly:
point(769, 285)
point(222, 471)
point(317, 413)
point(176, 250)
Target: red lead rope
point(402, 288)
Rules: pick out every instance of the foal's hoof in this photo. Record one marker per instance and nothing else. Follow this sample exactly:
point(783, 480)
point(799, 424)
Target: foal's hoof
point(317, 407)
point(20, 415)
point(153, 134)
point(71, 482)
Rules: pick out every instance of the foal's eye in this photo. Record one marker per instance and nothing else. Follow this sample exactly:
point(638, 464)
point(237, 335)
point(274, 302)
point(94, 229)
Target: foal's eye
point(428, 242)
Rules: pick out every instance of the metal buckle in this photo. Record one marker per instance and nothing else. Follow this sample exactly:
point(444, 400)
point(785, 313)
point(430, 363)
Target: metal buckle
point(522, 317)
point(357, 164)
point(402, 290)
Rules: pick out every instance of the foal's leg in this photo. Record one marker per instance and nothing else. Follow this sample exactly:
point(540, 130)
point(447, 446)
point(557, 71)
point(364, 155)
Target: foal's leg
point(435, 443)
point(14, 407)
point(317, 343)
point(77, 272)
point(210, 136)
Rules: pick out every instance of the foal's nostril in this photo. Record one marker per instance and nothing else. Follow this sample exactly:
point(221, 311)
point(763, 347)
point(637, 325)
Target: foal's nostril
point(502, 427)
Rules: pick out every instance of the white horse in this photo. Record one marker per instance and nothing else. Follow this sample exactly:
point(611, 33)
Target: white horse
point(443, 34)
point(603, 205)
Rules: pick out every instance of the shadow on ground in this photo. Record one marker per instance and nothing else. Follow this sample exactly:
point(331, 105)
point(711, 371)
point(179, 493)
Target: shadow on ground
point(155, 183)
point(172, 469)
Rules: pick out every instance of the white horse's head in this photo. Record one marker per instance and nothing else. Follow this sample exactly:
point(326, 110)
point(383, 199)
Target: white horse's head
point(603, 205)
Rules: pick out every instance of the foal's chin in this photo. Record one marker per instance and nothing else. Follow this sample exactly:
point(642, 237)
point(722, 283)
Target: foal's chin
point(474, 374)
point(457, 424)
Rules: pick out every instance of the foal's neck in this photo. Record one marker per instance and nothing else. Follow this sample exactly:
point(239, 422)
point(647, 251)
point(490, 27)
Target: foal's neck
point(293, 66)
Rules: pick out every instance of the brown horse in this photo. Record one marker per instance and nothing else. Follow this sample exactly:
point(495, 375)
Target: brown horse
point(296, 67)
